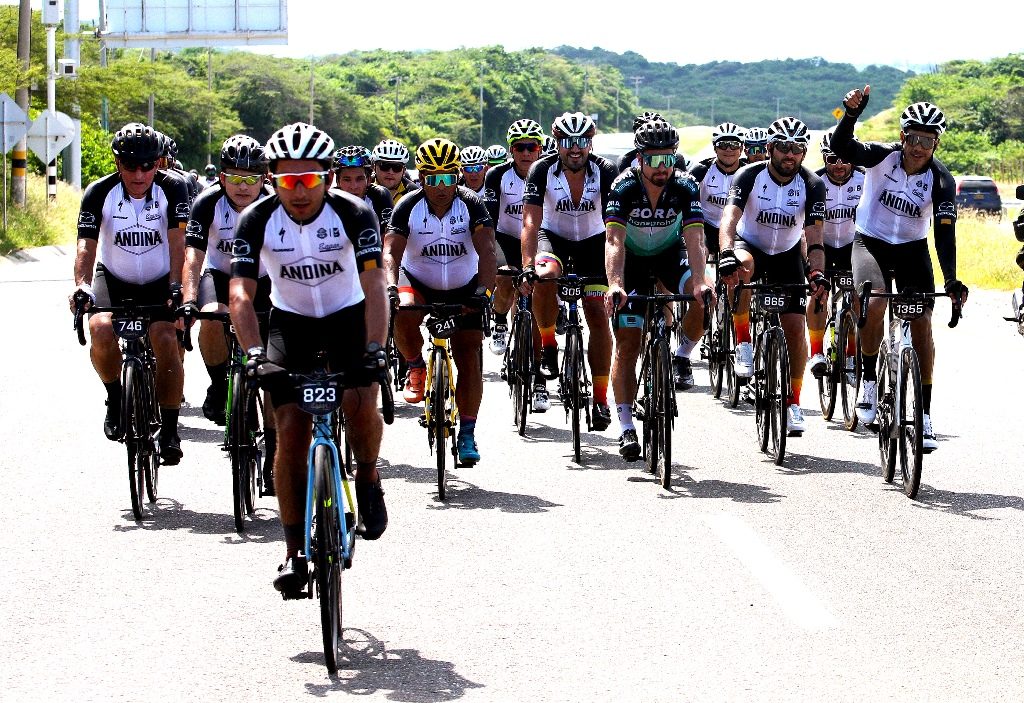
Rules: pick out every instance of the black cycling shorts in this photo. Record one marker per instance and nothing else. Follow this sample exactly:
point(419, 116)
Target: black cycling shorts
point(587, 255)
point(425, 295)
point(784, 267)
point(665, 267)
point(510, 251)
point(877, 261)
point(213, 288)
point(111, 291)
point(711, 238)
point(838, 259)
point(295, 341)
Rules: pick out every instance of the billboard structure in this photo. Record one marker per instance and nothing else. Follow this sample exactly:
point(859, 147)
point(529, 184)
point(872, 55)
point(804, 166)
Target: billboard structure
point(185, 23)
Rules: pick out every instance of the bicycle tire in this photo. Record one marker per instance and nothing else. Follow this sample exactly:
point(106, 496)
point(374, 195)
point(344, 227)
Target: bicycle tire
point(439, 414)
point(779, 396)
point(387, 402)
point(522, 372)
point(828, 383)
point(729, 355)
point(237, 449)
point(911, 413)
point(849, 386)
point(151, 470)
point(327, 554)
point(760, 381)
point(572, 379)
point(664, 399)
point(254, 427)
point(884, 416)
point(134, 432)
point(716, 348)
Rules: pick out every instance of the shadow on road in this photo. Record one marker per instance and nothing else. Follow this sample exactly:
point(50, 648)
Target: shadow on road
point(169, 514)
point(808, 464)
point(965, 504)
point(463, 495)
point(684, 486)
point(367, 667)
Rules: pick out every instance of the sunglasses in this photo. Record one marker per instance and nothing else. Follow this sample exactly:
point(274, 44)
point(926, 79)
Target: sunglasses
point(789, 147)
point(760, 149)
point(833, 160)
point(570, 142)
point(473, 169)
point(527, 147)
point(440, 179)
point(918, 140)
point(129, 165)
point(237, 180)
point(393, 167)
point(728, 144)
point(308, 179)
point(351, 162)
point(659, 160)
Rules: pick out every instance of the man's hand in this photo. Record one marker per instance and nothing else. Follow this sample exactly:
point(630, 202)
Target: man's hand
point(524, 281)
point(82, 297)
point(175, 295)
point(820, 286)
point(728, 266)
point(856, 100)
point(187, 312)
point(257, 357)
point(614, 299)
point(957, 291)
point(374, 358)
point(393, 296)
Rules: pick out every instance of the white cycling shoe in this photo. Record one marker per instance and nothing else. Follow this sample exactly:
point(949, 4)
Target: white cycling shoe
point(499, 339)
point(795, 420)
point(867, 404)
point(744, 360)
point(928, 442)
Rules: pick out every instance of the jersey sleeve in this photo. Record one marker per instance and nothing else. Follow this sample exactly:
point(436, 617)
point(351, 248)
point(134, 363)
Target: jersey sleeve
point(742, 184)
point(200, 218)
point(537, 182)
point(178, 203)
point(816, 195)
point(608, 175)
point(478, 215)
point(626, 160)
point(700, 170)
point(399, 222)
point(249, 234)
point(90, 213)
point(383, 206)
point(362, 228)
point(620, 199)
point(694, 214)
point(846, 146)
point(492, 187)
point(944, 220)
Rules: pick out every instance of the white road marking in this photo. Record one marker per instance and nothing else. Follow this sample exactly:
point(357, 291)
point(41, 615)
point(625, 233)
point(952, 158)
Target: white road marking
point(802, 606)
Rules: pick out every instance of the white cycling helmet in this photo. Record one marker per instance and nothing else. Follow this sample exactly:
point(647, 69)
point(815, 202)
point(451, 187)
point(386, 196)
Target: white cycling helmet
point(755, 136)
point(923, 115)
point(573, 124)
point(496, 154)
point(391, 150)
point(727, 130)
point(473, 156)
point(299, 141)
point(788, 129)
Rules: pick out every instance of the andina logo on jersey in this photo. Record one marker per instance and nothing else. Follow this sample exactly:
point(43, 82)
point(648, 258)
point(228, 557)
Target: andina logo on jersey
point(443, 251)
point(776, 219)
point(567, 205)
point(901, 206)
point(717, 199)
point(313, 273)
point(514, 210)
point(137, 241)
point(843, 213)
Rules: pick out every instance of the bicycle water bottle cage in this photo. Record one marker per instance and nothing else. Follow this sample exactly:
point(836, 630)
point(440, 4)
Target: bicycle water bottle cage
point(129, 327)
point(843, 280)
point(319, 396)
point(443, 327)
point(908, 307)
point(773, 301)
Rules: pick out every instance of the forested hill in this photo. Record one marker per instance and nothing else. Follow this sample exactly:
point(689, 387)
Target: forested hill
point(746, 93)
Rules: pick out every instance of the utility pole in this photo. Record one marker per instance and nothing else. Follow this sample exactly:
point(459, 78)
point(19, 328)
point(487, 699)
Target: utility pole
point(104, 104)
point(19, 158)
point(51, 103)
point(396, 80)
point(312, 96)
point(209, 124)
point(637, 80)
point(73, 157)
point(617, 108)
point(481, 104)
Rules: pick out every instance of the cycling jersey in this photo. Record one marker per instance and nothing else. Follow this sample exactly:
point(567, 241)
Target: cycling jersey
point(314, 266)
point(132, 233)
point(379, 200)
point(405, 186)
point(630, 159)
point(440, 252)
point(896, 206)
point(840, 208)
point(503, 197)
point(714, 188)
point(775, 214)
point(207, 182)
point(211, 229)
point(653, 230)
point(548, 188)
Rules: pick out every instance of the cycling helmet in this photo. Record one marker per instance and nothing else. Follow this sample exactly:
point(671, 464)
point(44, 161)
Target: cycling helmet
point(656, 134)
point(573, 124)
point(473, 156)
point(137, 142)
point(524, 129)
point(352, 156)
point(550, 146)
point(210, 170)
point(925, 116)
point(826, 142)
point(390, 150)
point(496, 154)
point(788, 129)
point(300, 141)
point(727, 130)
point(437, 155)
point(170, 148)
point(244, 152)
point(645, 116)
point(755, 136)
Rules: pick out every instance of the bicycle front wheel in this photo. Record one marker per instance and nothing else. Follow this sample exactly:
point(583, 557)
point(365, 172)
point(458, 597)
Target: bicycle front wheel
point(521, 371)
point(135, 431)
point(572, 378)
point(327, 553)
point(716, 365)
point(151, 470)
point(885, 416)
point(664, 410)
point(778, 394)
point(828, 382)
point(238, 445)
point(849, 368)
point(911, 424)
point(440, 405)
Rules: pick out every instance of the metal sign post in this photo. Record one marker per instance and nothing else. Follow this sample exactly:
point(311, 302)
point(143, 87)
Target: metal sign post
point(13, 127)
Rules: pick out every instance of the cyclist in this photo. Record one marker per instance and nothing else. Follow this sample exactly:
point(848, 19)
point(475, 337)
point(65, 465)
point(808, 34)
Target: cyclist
point(389, 160)
point(503, 196)
point(563, 210)
point(630, 158)
point(755, 144)
point(131, 226)
point(353, 168)
point(773, 207)
point(210, 177)
point(844, 184)
point(654, 221)
point(474, 168)
point(440, 249)
point(905, 186)
point(209, 240)
point(322, 251)
point(496, 155)
point(169, 162)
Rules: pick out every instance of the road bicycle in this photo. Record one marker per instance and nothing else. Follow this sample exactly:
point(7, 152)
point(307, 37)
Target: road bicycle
point(771, 377)
point(140, 410)
point(1018, 310)
point(900, 415)
point(517, 365)
point(842, 353)
point(573, 381)
point(720, 349)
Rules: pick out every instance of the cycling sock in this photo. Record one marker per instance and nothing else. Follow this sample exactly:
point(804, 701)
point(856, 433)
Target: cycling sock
point(601, 390)
point(817, 338)
point(547, 337)
point(169, 421)
point(539, 380)
point(686, 346)
point(417, 363)
point(625, 414)
point(113, 390)
point(795, 384)
point(218, 374)
point(868, 367)
point(294, 538)
point(741, 323)
point(467, 424)
point(926, 398)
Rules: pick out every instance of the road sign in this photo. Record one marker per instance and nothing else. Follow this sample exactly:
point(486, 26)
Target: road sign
point(13, 122)
point(49, 134)
point(838, 113)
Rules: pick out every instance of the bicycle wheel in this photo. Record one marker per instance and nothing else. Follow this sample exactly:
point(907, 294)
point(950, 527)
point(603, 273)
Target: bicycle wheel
point(716, 334)
point(133, 421)
point(729, 357)
point(439, 418)
point(779, 395)
point(761, 393)
point(664, 400)
point(849, 382)
point(521, 372)
point(254, 433)
point(151, 470)
point(327, 553)
point(644, 411)
point(911, 424)
point(828, 383)
point(884, 416)
point(572, 379)
point(238, 444)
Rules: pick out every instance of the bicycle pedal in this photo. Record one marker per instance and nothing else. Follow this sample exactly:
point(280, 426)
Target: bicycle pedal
point(423, 420)
point(296, 595)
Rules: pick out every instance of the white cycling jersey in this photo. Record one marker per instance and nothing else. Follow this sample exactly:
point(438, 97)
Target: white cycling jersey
point(503, 196)
point(840, 226)
point(547, 187)
point(714, 189)
point(775, 214)
point(211, 228)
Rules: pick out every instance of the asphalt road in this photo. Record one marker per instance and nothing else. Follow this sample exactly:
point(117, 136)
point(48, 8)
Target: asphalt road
point(539, 579)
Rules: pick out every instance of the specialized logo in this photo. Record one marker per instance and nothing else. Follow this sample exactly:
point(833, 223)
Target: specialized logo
point(137, 241)
point(314, 273)
point(443, 251)
point(776, 219)
point(901, 206)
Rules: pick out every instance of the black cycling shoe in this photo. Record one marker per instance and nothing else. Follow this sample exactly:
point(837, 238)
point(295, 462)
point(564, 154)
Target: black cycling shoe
point(292, 577)
point(600, 417)
point(563, 320)
point(112, 421)
point(629, 446)
point(372, 512)
point(213, 406)
point(170, 450)
point(682, 370)
point(548, 367)
point(268, 481)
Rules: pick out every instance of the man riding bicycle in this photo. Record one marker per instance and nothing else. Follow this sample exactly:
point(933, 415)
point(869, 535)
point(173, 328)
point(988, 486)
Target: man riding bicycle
point(322, 251)
point(353, 167)
point(389, 160)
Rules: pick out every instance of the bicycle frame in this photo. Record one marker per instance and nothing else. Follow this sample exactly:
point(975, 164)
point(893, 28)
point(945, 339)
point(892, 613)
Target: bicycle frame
point(323, 435)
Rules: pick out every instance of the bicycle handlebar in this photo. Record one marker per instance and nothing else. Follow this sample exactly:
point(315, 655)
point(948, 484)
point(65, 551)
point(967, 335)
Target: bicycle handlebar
point(805, 287)
point(662, 298)
point(81, 299)
point(866, 294)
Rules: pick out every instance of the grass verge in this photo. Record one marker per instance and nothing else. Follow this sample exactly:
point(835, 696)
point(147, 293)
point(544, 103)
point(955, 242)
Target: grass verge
point(985, 252)
point(41, 223)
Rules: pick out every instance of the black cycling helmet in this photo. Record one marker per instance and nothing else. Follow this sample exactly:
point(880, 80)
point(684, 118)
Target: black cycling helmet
point(244, 152)
point(656, 134)
point(137, 142)
point(352, 156)
point(645, 116)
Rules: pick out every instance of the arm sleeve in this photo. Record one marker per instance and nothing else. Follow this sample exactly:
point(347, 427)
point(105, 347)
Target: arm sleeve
point(249, 233)
point(536, 183)
point(177, 201)
point(846, 146)
point(618, 204)
point(608, 175)
point(383, 205)
point(944, 223)
point(399, 222)
point(694, 214)
point(478, 215)
point(362, 228)
point(816, 194)
point(492, 187)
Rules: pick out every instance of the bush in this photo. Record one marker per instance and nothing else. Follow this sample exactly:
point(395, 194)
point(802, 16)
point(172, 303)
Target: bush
point(40, 222)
